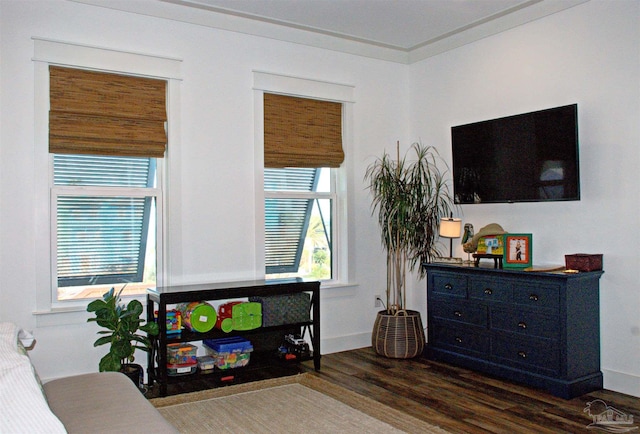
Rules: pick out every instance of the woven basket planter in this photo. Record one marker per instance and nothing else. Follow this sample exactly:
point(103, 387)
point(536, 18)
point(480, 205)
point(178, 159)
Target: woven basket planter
point(398, 336)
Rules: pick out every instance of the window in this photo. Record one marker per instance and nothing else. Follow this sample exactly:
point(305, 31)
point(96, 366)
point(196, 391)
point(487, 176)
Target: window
point(299, 211)
point(64, 131)
point(106, 136)
point(302, 145)
point(296, 167)
point(105, 211)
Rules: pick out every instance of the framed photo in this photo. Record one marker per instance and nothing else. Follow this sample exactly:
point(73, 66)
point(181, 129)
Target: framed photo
point(491, 245)
point(518, 249)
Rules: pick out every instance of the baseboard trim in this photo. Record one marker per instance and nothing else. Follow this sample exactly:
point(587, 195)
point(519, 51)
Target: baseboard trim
point(622, 382)
point(345, 343)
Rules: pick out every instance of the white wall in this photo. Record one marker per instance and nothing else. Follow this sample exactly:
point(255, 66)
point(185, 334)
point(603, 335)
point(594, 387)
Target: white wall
point(589, 55)
point(211, 200)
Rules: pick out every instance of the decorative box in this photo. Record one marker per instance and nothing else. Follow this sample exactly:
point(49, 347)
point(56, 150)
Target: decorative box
point(583, 262)
point(284, 309)
point(180, 354)
point(229, 353)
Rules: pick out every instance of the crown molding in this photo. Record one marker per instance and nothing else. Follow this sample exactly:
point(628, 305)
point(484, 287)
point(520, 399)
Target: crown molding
point(193, 13)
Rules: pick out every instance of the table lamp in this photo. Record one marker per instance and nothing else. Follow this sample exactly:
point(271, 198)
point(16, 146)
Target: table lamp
point(451, 228)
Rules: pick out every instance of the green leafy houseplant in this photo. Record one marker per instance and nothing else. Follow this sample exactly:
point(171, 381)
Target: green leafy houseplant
point(410, 197)
point(123, 324)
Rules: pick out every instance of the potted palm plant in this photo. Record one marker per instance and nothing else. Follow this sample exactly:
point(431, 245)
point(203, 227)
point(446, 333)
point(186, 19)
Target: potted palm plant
point(410, 198)
point(123, 326)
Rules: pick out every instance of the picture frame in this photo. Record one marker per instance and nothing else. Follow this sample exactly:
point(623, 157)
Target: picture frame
point(518, 250)
point(491, 245)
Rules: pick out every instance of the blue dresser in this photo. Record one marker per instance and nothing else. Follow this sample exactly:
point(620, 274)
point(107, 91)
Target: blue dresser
point(536, 328)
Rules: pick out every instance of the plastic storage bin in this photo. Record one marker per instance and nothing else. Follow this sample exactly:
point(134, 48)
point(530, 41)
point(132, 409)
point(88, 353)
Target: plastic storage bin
point(182, 369)
point(180, 354)
point(229, 353)
point(206, 363)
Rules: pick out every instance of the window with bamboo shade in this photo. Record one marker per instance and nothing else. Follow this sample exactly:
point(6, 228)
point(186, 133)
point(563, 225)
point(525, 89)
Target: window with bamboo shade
point(105, 130)
point(302, 147)
point(102, 113)
point(302, 132)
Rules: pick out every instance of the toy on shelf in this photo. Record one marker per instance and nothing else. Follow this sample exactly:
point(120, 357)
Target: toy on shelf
point(198, 316)
point(174, 322)
point(239, 315)
point(294, 347)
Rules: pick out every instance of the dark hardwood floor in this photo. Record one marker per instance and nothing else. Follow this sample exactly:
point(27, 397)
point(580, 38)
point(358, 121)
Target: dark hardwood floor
point(462, 401)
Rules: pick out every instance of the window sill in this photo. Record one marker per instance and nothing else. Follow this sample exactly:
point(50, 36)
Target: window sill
point(57, 316)
point(75, 313)
point(338, 289)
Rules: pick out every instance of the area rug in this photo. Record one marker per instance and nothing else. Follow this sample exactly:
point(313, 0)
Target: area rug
point(295, 404)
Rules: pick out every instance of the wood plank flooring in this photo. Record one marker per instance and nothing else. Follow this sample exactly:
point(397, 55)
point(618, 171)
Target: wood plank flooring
point(462, 401)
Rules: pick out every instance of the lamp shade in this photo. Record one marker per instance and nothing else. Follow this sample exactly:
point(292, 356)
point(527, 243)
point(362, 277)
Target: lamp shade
point(450, 228)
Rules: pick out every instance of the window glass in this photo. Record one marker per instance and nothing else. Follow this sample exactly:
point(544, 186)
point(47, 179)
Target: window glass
point(105, 212)
point(299, 215)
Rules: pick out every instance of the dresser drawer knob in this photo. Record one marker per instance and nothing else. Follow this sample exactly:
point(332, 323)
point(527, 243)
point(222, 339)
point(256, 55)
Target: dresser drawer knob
point(522, 325)
point(458, 314)
point(448, 287)
point(522, 354)
point(458, 339)
point(533, 297)
point(488, 291)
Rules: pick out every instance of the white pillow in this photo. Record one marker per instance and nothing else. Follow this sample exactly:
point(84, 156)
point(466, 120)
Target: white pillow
point(24, 406)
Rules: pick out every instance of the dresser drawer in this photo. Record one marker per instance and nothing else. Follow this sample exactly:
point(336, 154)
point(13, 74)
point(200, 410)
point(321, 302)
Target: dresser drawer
point(460, 339)
point(459, 311)
point(490, 290)
point(450, 285)
point(533, 354)
point(525, 323)
point(537, 296)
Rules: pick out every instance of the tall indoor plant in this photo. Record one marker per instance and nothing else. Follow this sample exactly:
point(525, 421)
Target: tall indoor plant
point(410, 197)
point(123, 326)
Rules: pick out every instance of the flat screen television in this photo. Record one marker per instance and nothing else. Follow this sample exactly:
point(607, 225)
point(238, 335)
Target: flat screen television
point(530, 157)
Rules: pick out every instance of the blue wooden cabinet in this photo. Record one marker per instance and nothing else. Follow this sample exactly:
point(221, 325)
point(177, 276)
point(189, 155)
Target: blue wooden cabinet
point(538, 329)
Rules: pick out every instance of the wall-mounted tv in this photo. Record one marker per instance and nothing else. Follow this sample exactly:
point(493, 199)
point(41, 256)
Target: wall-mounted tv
point(530, 157)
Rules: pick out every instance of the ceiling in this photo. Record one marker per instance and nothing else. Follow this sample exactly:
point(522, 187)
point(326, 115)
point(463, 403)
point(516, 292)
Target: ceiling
point(402, 31)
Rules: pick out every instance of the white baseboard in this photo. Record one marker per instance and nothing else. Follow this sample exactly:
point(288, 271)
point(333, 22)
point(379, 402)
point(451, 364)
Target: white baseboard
point(345, 343)
point(621, 382)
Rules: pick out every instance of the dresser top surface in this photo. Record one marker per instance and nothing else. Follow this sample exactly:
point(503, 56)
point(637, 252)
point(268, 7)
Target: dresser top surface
point(488, 270)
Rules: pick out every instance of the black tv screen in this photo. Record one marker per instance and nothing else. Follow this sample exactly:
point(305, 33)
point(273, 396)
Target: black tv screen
point(529, 157)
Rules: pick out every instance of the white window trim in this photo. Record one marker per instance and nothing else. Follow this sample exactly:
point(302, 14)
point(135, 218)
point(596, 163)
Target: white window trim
point(50, 52)
point(314, 89)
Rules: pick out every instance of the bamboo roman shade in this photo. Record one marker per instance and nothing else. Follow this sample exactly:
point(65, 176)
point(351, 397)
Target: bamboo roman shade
point(100, 113)
point(301, 132)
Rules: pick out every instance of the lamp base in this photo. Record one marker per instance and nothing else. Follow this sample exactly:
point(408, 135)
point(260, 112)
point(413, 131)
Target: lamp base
point(446, 260)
